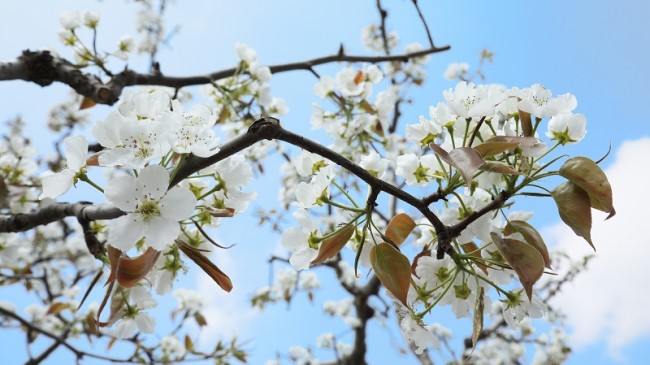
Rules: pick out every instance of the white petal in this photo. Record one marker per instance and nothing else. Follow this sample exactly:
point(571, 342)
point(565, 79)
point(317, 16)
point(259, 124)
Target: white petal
point(125, 231)
point(76, 149)
point(177, 204)
point(124, 328)
point(56, 184)
point(301, 258)
point(145, 322)
point(121, 192)
point(152, 182)
point(114, 157)
point(161, 232)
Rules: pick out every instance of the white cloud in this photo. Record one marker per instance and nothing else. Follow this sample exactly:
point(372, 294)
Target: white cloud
point(611, 300)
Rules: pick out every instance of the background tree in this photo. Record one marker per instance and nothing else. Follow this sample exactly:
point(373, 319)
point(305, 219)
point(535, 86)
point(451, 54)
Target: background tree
point(240, 95)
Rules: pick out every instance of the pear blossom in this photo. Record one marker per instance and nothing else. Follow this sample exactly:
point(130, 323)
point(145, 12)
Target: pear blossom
point(296, 240)
point(374, 164)
point(135, 316)
point(418, 171)
point(152, 210)
point(420, 336)
point(538, 101)
point(567, 128)
point(56, 184)
point(191, 132)
point(70, 19)
point(518, 307)
point(469, 100)
point(91, 19)
point(311, 194)
point(245, 53)
point(456, 71)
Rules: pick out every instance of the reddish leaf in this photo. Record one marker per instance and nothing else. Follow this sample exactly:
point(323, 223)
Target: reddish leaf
point(87, 103)
point(471, 249)
point(200, 319)
point(466, 160)
point(589, 177)
point(332, 245)
point(574, 207)
point(131, 270)
point(206, 265)
point(499, 144)
point(358, 78)
point(93, 160)
point(216, 212)
point(57, 307)
point(367, 107)
point(392, 269)
point(524, 259)
point(531, 236)
point(526, 123)
point(399, 228)
point(499, 167)
point(425, 252)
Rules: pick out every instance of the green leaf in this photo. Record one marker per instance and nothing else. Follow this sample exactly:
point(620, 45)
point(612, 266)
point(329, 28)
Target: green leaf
point(531, 236)
point(465, 159)
point(332, 245)
point(471, 249)
point(392, 269)
point(574, 207)
point(399, 228)
point(524, 259)
point(589, 177)
point(498, 144)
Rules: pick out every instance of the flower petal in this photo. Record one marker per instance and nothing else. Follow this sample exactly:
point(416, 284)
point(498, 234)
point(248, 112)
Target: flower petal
point(76, 149)
point(121, 192)
point(152, 183)
point(56, 184)
point(177, 204)
point(161, 232)
point(125, 231)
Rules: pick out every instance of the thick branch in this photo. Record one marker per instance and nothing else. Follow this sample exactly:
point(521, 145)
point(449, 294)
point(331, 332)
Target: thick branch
point(43, 68)
point(55, 212)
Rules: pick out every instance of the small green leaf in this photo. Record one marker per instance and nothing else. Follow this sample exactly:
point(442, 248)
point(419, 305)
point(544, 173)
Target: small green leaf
point(524, 259)
point(392, 269)
point(589, 177)
point(399, 228)
point(332, 245)
point(531, 236)
point(574, 207)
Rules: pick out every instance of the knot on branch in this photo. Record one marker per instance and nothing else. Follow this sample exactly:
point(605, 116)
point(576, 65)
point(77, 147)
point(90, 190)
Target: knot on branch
point(265, 127)
point(40, 67)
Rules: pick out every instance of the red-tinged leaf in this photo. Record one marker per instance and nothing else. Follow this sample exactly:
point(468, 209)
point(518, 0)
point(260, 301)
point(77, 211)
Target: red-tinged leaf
point(526, 123)
point(332, 245)
point(531, 236)
point(216, 212)
point(358, 78)
point(574, 207)
point(114, 259)
point(524, 259)
point(466, 160)
point(471, 249)
point(499, 168)
point(425, 252)
point(87, 103)
point(392, 269)
point(399, 228)
point(57, 307)
point(589, 177)
point(93, 160)
point(499, 144)
point(131, 270)
point(477, 323)
point(206, 265)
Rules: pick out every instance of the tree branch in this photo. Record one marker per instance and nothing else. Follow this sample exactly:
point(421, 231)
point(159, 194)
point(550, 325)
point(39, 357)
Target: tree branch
point(55, 212)
point(43, 68)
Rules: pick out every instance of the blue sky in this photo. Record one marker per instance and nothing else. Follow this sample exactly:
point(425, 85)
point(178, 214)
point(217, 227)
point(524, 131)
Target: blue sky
point(599, 51)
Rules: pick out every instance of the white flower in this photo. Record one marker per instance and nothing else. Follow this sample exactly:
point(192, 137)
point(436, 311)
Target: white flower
point(245, 53)
point(70, 19)
point(297, 240)
point(374, 164)
point(311, 194)
point(420, 336)
point(567, 128)
point(309, 281)
point(456, 71)
point(468, 100)
point(324, 86)
point(192, 132)
point(91, 19)
point(124, 46)
point(418, 171)
point(56, 184)
point(152, 210)
point(190, 300)
point(539, 102)
point(424, 132)
point(170, 345)
point(518, 308)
